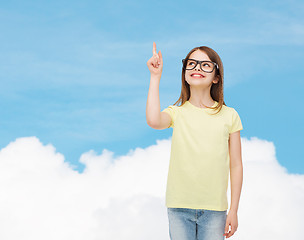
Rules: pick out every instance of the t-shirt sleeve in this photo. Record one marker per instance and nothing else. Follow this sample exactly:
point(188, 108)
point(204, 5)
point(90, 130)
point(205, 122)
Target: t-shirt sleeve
point(236, 124)
point(171, 110)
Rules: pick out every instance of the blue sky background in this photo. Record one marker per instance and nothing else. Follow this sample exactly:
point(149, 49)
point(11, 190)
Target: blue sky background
point(74, 73)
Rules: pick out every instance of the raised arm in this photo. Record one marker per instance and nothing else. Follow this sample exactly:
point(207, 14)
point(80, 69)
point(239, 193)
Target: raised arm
point(155, 118)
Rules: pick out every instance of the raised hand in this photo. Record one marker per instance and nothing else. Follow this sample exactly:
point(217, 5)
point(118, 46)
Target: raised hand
point(155, 63)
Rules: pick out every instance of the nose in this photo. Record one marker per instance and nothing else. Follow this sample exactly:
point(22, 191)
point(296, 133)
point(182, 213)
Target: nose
point(197, 67)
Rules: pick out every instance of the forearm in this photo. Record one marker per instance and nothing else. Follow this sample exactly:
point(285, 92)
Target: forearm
point(236, 180)
point(153, 102)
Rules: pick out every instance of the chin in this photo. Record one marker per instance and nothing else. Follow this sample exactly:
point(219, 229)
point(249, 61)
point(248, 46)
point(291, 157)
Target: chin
point(196, 82)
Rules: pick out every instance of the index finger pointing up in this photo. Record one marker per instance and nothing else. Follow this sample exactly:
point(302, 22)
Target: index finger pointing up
point(154, 48)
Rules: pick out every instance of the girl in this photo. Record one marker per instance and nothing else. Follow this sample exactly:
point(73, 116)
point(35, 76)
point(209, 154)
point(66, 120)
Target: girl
point(205, 145)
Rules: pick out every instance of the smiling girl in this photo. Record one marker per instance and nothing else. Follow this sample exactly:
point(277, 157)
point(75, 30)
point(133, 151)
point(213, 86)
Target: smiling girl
point(205, 146)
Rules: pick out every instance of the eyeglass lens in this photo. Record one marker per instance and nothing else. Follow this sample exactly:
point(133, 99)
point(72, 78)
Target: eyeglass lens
point(206, 66)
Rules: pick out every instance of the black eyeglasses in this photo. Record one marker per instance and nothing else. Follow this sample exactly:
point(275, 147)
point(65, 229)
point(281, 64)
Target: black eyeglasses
point(206, 66)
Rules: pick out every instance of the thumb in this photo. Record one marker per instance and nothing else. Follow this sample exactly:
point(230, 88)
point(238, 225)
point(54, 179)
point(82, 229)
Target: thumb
point(160, 56)
point(226, 228)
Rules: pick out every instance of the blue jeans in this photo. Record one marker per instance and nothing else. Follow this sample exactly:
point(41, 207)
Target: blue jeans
point(196, 224)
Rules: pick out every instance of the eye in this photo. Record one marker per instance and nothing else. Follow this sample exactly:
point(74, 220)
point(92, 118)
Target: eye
point(191, 62)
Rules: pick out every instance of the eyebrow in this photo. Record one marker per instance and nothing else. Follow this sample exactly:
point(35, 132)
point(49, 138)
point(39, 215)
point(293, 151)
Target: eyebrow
point(199, 60)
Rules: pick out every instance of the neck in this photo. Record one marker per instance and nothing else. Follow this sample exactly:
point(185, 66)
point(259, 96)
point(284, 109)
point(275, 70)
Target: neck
point(201, 97)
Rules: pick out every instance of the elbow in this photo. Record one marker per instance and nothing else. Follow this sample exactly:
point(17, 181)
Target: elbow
point(152, 124)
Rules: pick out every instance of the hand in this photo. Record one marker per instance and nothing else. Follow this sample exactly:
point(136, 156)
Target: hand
point(155, 63)
point(233, 222)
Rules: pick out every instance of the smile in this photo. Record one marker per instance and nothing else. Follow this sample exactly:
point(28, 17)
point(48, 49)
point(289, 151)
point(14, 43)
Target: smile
point(197, 75)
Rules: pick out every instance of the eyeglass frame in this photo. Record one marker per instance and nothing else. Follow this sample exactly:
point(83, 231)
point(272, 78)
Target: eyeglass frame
point(200, 64)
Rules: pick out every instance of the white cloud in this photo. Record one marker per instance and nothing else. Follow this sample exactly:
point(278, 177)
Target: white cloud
point(43, 197)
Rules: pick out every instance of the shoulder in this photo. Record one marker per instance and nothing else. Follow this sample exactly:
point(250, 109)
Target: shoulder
point(226, 110)
point(171, 110)
point(229, 110)
point(230, 114)
point(173, 107)
point(235, 122)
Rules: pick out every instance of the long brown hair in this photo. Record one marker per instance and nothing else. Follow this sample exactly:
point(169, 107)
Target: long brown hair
point(216, 90)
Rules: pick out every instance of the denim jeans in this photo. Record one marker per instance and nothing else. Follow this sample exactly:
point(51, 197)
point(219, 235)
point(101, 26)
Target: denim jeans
point(196, 224)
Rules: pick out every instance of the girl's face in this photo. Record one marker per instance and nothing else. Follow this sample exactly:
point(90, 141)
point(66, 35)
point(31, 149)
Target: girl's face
point(204, 79)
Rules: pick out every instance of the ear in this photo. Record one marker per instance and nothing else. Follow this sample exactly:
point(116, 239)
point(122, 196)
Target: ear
point(216, 79)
